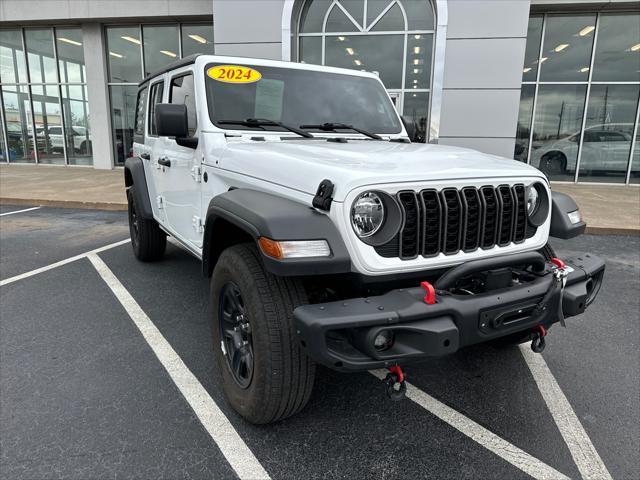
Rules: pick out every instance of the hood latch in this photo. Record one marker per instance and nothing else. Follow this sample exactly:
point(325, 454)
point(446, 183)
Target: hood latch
point(323, 198)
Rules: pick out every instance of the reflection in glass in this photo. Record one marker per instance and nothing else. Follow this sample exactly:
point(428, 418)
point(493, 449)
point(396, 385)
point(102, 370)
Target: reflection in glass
point(355, 9)
point(197, 39)
point(70, 55)
point(3, 154)
point(13, 68)
point(160, 47)
point(532, 51)
point(419, 14)
point(313, 15)
point(523, 130)
point(123, 44)
point(608, 133)
point(372, 53)
point(635, 162)
point(311, 50)
point(337, 21)
point(40, 57)
point(617, 56)
point(391, 21)
point(123, 107)
point(48, 119)
point(419, 50)
point(18, 118)
point(416, 111)
point(556, 129)
point(75, 106)
point(566, 52)
point(374, 9)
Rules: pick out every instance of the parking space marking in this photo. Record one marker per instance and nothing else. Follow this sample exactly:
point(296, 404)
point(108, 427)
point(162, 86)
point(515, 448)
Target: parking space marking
point(235, 450)
point(19, 211)
point(489, 440)
point(61, 262)
point(582, 450)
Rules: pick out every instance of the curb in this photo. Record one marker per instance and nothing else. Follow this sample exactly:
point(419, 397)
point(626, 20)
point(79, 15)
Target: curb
point(120, 207)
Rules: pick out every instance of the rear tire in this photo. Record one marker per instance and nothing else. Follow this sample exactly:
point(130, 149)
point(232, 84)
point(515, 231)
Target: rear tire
point(147, 239)
point(522, 337)
point(273, 377)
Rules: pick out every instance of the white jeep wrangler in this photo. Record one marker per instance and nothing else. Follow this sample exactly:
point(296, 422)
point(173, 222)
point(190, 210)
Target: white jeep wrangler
point(329, 237)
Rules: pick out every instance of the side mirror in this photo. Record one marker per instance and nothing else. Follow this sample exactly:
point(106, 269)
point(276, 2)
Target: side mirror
point(171, 120)
point(410, 127)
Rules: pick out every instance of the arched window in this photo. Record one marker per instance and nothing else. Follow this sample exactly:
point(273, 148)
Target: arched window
point(393, 38)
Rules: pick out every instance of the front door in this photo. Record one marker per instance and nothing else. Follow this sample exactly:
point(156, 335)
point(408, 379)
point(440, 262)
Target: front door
point(180, 178)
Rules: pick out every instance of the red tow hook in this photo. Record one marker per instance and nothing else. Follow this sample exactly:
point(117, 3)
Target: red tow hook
point(430, 293)
point(538, 342)
point(558, 263)
point(396, 387)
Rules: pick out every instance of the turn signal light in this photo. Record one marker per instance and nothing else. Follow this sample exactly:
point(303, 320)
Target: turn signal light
point(294, 249)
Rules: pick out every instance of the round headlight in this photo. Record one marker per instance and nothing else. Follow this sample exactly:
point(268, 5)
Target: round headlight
point(367, 214)
point(532, 200)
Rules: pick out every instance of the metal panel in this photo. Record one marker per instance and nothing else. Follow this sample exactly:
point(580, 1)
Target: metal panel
point(488, 19)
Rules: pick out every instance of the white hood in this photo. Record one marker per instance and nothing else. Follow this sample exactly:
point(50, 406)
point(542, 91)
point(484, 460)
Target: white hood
point(303, 164)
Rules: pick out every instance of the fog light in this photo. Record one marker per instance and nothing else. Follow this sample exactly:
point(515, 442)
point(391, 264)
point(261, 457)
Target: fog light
point(575, 217)
point(383, 341)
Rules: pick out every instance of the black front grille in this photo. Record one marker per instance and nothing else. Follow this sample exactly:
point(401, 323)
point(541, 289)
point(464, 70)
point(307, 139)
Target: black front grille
point(454, 220)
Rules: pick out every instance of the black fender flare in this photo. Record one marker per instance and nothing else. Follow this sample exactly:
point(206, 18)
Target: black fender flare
point(134, 175)
point(259, 214)
point(561, 226)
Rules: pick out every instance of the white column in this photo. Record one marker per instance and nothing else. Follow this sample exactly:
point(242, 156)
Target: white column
point(98, 93)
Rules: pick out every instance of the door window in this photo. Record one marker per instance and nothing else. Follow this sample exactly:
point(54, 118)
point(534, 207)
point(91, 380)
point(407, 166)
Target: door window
point(141, 112)
point(156, 97)
point(182, 92)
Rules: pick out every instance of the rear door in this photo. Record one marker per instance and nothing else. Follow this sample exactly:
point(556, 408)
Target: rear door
point(180, 176)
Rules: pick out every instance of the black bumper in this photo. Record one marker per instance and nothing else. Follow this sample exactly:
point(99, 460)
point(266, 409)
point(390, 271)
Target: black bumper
point(340, 334)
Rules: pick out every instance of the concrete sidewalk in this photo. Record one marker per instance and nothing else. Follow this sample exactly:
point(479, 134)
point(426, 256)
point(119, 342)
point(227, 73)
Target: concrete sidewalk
point(607, 209)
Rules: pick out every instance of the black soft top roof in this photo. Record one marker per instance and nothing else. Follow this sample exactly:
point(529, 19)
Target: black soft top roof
point(171, 66)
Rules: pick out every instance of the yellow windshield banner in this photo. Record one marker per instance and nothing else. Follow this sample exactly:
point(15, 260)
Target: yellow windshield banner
point(234, 74)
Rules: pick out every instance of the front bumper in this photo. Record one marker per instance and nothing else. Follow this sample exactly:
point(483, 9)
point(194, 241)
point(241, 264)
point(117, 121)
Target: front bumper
point(340, 334)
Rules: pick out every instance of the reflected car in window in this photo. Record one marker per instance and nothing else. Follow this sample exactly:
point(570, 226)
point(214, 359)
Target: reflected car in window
point(605, 148)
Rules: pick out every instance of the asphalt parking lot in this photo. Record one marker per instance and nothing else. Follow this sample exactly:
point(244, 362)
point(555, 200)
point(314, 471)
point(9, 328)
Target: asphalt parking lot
point(114, 378)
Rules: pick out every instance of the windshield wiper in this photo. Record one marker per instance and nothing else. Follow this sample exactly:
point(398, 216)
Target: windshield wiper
point(332, 127)
point(263, 122)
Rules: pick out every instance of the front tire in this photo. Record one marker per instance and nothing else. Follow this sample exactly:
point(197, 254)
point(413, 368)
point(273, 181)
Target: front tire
point(147, 239)
point(265, 374)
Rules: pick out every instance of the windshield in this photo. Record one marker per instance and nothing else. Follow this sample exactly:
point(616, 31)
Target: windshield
point(299, 97)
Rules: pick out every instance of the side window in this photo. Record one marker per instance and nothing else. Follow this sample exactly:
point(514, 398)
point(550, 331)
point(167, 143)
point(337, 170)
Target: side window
point(155, 97)
point(141, 111)
point(182, 91)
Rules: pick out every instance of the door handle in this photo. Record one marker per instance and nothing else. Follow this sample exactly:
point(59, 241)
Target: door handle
point(164, 161)
point(145, 156)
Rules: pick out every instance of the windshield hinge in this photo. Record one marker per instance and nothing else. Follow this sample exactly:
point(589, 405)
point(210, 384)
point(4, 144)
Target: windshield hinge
point(323, 198)
point(197, 224)
point(196, 173)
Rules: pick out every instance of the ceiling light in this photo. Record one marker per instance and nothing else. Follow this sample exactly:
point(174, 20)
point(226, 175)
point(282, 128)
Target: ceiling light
point(561, 47)
point(415, 94)
point(113, 54)
point(584, 69)
point(198, 38)
point(415, 80)
point(417, 70)
point(130, 39)
point(586, 30)
point(417, 37)
point(168, 53)
point(636, 47)
point(357, 62)
point(416, 50)
point(68, 40)
point(416, 61)
point(525, 70)
point(543, 59)
point(415, 86)
point(349, 50)
point(341, 39)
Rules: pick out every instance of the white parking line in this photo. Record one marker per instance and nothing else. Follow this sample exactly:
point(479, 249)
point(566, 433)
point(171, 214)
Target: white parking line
point(61, 262)
point(19, 211)
point(239, 456)
point(582, 450)
point(489, 440)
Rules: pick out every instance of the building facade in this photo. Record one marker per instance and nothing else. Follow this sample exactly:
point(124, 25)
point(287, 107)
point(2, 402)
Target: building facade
point(552, 83)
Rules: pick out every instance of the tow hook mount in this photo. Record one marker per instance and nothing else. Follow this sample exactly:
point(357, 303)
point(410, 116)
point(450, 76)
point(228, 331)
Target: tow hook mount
point(395, 384)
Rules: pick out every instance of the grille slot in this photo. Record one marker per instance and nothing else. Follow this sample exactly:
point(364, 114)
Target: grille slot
point(451, 220)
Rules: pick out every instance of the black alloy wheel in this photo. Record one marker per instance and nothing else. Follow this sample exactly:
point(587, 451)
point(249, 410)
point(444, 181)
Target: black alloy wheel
point(235, 333)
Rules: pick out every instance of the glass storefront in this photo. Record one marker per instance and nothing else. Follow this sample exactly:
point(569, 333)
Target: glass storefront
point(580, 97)
point(45, 111)
point(135, 51)
point(391, 38)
